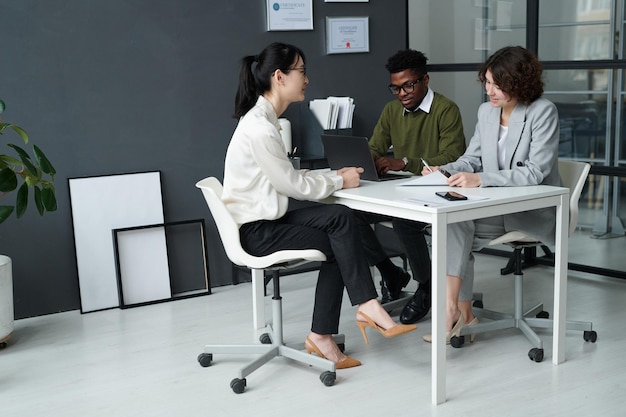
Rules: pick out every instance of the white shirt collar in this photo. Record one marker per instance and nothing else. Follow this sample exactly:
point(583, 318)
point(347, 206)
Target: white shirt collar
point(426, 103)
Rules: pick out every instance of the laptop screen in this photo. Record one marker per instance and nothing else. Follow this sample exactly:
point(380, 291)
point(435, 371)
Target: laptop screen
point(350, 151)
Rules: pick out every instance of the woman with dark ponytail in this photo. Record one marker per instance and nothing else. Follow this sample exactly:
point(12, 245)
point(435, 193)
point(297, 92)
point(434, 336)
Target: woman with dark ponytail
point(259, 179)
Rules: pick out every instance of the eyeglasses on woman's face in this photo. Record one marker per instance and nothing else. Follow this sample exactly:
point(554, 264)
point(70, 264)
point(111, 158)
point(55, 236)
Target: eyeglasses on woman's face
point(301, 69)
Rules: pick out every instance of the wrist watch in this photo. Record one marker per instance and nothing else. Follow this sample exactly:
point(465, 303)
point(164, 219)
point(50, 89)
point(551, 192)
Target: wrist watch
point(406, 161)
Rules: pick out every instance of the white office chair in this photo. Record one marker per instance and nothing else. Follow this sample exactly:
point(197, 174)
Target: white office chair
point(272, 344)
point(573, 174)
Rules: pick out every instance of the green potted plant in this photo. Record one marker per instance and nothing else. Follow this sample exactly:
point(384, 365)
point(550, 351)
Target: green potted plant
point(20, 172)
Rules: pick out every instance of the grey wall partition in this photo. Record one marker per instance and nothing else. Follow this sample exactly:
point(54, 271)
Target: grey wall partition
point(110, 86)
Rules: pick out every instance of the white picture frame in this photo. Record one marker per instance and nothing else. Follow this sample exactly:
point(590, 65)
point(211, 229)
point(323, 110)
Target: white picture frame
point(347, 35)
point(99, 205)
point(291, 15)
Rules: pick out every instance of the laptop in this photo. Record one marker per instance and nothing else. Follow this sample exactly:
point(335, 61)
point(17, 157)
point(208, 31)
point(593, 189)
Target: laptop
point(353, 151)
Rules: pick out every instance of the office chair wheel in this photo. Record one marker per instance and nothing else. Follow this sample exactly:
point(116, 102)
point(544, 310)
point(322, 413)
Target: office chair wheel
point(590, 336)
point(478, 304)
point(457, 341)
point(543, 315)
point(342, 347)
point(328, 378)
point(205, 359)
point(4, 344)
point(535, 354)
point(265, 339)
point(238, 385)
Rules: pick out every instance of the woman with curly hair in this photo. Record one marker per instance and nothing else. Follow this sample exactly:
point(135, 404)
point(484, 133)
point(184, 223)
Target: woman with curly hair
point(515, 143)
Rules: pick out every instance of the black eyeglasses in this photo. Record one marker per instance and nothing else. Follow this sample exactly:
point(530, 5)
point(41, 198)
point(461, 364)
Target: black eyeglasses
point(407, 87)
point(302, 69)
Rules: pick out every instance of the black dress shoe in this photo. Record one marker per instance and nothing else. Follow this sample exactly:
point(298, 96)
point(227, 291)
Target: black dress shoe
point(416, 308)
point(384, 293)
point(391, 287)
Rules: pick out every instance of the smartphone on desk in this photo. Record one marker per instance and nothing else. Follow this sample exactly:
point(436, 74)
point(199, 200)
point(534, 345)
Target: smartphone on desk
point(451, 195)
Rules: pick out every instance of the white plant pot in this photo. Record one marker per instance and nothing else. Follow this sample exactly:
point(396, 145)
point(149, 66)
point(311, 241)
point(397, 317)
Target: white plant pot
point(6, 299)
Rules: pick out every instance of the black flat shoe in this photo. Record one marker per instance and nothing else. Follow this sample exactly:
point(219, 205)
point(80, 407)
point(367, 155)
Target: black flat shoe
point(393, 286)
point(417, 308)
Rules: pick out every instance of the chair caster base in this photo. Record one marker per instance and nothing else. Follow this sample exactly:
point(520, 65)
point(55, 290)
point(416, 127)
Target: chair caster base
point(535, 354)
point(328, 378)
point(238, 385)
point(457, 341)
point(590, 336)
point(205, 359)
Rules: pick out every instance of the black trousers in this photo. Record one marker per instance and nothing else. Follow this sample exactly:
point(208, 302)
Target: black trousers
point(332, 229)
point(412, 238)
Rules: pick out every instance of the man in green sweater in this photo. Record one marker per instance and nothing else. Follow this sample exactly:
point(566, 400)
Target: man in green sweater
point(420, 125)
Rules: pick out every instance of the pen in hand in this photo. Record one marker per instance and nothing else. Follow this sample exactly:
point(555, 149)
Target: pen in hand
point(426, 165)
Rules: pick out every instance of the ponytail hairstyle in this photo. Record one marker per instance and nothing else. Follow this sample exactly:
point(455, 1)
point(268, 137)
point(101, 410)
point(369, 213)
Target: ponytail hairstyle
point(255, 73)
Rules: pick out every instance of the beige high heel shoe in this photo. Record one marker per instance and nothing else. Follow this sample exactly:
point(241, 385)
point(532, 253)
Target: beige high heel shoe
point(348, 362)
point(394, 331)
point(456, 331)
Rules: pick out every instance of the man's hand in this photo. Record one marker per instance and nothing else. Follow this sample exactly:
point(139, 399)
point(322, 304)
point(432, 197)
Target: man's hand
point(384, 164)
point(351, 176)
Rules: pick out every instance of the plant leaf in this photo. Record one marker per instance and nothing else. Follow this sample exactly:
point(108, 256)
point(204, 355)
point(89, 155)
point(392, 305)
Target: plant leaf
point(2, 106)
point(22, 153)
point(8, 180)
point(26, 161)
point(38, 202)
point(49, 199)
point(20, 132)
point(43, 162)
point(21, 202)
point(9, 160)
point(5, 212)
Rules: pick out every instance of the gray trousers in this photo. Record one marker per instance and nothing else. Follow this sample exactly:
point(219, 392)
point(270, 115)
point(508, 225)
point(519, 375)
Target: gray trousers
point(463, 239)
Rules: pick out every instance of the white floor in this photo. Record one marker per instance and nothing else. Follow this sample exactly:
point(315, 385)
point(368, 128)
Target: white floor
point(142, 361)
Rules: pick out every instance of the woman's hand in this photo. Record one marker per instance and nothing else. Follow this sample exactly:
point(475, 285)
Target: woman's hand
point(465, 180)
point(351, 176)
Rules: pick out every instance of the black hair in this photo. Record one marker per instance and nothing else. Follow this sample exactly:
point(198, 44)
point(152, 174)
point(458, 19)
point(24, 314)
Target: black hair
point(407, 59)
point(516, 71)
point(256, 80)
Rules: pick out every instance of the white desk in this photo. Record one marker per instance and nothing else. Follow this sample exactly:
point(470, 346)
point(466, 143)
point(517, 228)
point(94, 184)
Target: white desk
point(390, 199)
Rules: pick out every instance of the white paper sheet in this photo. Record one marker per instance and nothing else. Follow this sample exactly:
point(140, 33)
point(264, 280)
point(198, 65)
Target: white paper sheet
point(436, 178)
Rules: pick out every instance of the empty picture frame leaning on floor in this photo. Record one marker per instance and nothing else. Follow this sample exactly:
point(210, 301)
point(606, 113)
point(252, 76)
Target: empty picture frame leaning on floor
point(146, 275)
point(99, 205)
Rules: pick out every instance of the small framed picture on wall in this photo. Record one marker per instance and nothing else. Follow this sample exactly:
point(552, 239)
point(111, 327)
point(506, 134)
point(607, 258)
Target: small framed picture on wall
point(291, 15)
point(347, 35)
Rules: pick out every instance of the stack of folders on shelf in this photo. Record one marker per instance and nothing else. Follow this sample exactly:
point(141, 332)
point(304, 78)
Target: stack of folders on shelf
point(333, 112)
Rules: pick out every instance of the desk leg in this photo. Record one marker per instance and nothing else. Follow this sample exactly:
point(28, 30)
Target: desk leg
point(258, 298)
point(560, 279)
point(439, 238)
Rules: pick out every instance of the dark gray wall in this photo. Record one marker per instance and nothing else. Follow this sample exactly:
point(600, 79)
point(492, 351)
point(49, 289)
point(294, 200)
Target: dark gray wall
point(112, 86)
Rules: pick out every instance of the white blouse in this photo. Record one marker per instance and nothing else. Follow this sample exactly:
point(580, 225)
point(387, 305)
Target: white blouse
point(259, 177)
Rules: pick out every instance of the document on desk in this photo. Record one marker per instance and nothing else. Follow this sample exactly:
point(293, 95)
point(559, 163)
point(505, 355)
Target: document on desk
point(436, 178)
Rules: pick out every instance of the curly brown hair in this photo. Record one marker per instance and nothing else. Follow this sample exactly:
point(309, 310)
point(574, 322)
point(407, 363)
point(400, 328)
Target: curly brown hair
point(516, 71)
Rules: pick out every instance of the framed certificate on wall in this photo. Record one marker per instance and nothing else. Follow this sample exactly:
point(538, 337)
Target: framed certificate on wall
point(291, 15)
point(347, 35)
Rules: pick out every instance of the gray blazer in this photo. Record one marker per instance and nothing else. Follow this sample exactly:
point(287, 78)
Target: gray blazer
point(531, 158)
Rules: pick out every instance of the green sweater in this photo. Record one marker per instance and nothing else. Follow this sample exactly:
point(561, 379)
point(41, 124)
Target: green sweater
point(436, 136)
